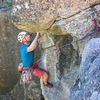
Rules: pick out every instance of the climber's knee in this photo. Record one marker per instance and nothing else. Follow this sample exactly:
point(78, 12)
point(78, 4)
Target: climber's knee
point(38, 72)
point(45, 75)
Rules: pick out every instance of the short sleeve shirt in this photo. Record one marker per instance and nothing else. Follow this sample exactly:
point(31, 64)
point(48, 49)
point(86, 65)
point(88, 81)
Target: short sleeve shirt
point(27, 57)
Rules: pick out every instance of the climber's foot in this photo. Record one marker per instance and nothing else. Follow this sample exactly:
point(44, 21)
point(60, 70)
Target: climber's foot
point(49, 85)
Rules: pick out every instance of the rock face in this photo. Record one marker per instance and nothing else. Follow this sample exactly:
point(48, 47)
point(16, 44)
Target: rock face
point(9, 55)
point(10, 87)
point(73, 69)
point(39, 15)
point(88, 87)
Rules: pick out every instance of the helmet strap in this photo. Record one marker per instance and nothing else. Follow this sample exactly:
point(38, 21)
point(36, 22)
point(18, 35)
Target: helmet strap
point(25, 40)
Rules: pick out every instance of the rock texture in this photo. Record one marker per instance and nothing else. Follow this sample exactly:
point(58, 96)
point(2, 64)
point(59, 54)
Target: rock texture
point(27, 91)
point(88, 86)
point(74, 69)
point(5, 3)
point(10, 87)
point(39, 15)
point(9, 52)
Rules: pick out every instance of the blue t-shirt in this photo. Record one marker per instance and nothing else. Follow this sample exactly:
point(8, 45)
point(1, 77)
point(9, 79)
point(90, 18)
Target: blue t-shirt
point(27, 57)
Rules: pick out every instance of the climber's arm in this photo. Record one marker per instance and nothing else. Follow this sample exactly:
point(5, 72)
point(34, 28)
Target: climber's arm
point(33, 44)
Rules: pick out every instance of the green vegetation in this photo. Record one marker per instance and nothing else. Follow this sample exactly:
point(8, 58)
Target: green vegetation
point(9, 4)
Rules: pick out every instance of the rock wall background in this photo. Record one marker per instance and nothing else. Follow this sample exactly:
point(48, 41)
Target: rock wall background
point(9, 53)
point(74, 70)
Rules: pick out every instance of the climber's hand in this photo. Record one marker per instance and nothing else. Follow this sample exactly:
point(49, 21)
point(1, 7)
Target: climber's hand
point(38, 35)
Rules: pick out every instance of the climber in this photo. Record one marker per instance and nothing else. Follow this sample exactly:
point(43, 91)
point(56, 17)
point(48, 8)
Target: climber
point(27, 56)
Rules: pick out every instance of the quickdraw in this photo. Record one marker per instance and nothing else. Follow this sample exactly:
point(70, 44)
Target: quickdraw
point(92, 11)
point(26, 76)
point(97, 29)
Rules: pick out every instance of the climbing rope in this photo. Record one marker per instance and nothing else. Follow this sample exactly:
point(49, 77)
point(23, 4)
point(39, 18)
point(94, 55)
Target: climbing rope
point(89, 34)
point(97, 29)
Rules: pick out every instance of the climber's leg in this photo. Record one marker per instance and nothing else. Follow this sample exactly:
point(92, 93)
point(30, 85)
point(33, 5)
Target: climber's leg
point(45, 78)
point(44, 75)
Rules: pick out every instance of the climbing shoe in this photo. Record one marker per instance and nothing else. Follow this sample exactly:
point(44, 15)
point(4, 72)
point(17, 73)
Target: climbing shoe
point(49, 85)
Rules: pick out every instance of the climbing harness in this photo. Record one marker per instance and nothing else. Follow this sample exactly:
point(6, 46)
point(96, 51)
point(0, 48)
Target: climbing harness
point(26, 76)
point(26, 73)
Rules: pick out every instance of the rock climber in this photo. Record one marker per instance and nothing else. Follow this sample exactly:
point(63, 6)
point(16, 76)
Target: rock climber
point(27, 56)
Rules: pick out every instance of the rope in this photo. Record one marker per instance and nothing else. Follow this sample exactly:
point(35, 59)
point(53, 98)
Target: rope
point(89, 34)
point(66, 45)
point(97, 29)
